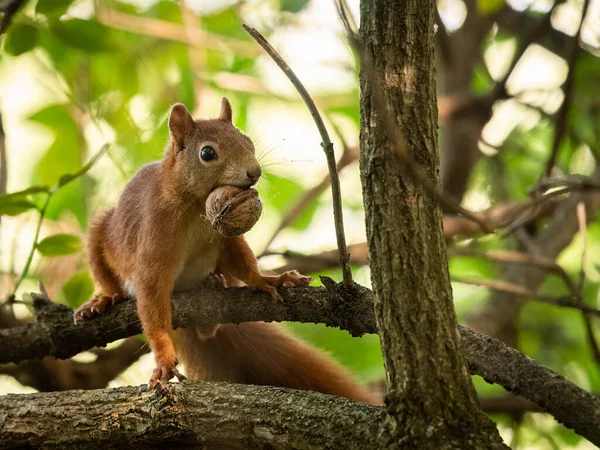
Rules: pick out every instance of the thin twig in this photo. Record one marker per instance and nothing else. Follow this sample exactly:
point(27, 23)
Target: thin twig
point(542, 192)
point(561, 116)
point(517, 289)
point(327, 147)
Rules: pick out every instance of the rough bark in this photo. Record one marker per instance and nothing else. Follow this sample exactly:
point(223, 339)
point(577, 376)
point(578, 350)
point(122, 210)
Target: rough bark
point(55, 331)
point(488, 358)
point(431, 401)
point(190, 414)
point(55, 334)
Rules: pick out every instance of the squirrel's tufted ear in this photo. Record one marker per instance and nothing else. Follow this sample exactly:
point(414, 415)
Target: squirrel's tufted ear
point(180, 123)
point(225, 113)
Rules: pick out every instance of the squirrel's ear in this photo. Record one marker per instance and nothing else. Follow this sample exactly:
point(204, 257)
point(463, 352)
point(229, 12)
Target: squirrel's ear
point(225, 113)
point(180, 122)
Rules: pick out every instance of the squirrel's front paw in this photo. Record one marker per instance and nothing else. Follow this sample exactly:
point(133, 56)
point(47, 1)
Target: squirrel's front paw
point(271, 283)
point(164, 372)
point(95, 306)
point(292, 278)
point(215, 280)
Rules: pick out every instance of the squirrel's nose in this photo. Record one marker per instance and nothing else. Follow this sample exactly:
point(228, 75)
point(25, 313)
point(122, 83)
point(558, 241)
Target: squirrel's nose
point(254, 174)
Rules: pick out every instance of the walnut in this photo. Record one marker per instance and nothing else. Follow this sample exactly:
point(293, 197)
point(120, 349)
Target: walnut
point(233, 211)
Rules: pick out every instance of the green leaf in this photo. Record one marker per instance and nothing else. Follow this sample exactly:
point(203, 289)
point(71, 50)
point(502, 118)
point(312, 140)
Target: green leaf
point(488, 7)
point(15, 207)
point(87, 35)
point(78, 289)
point(71, 176)
point(20, 39)
point(55, 8)
point(293, 5)
point(60, 244)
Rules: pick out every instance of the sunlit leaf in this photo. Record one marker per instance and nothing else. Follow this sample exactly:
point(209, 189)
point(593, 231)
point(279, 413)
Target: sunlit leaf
point(60, 244)
point(15, 207)
point(78, 289)
point(54, 8)
point(20, 39)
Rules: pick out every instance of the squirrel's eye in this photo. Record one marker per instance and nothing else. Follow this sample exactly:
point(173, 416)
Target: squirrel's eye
point(208, 153)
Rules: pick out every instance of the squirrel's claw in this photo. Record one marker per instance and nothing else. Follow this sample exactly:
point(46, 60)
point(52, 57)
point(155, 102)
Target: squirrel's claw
point(162, 374)
point(216, 280)
point(96, 306)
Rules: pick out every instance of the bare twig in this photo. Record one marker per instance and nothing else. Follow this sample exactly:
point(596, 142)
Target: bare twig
point(520, 290)
point(50, 374)
point(326, 144)
point(574, 182)
point(496, 217)
point(541, 193)
point(561, 116)
point(9, 11)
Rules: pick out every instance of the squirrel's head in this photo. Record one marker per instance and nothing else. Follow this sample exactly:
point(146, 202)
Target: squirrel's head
point(205, 154)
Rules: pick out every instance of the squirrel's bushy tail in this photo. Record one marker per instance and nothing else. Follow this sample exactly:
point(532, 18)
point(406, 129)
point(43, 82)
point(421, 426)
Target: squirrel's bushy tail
point(266, 354)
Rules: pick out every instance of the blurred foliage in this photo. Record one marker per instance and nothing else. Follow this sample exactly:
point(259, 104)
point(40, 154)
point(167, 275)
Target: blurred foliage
point(114, 80)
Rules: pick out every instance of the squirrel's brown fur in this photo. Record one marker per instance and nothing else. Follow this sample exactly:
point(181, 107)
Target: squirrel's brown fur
point(157, 239)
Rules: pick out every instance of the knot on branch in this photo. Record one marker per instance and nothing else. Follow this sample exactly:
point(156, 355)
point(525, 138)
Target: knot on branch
point(48, 311)
point(348, 306)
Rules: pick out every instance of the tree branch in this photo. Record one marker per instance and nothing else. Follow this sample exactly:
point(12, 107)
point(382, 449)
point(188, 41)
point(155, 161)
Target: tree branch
point(50, 374)
point(567, 402)
point(207, 415)
point(349, 307)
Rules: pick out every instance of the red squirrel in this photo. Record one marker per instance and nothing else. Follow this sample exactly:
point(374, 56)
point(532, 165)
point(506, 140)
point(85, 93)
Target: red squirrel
point(157, 239)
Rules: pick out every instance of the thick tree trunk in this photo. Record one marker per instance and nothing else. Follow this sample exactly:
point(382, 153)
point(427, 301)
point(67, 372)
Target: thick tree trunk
point(431, 401)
